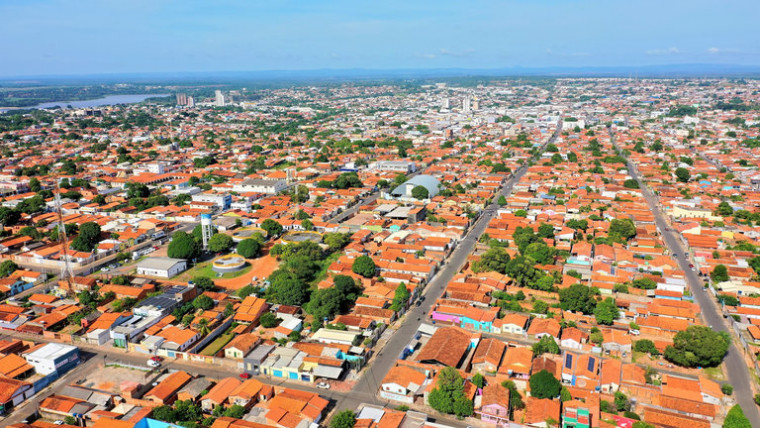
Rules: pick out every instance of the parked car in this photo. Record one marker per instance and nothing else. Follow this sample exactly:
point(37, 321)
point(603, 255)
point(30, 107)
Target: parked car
point(154, 364)
point(156, 358)
point(323, 385)
point(245, 375)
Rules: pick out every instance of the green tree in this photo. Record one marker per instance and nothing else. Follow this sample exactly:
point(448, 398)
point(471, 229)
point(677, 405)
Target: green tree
point(545, 345)
point(606, 311)
point(235, 411)
point(336, 241)
point(364, 266)
point(727, 389)
point(494, 260)
point(502, 200)
point(203, 302)
point(343, 419)
point(448, 395)
point(88, 238)
point(735, 418)
point(420, 192)
point(249, 248)
point(9, 216)
point(268, 320)
point(286, 289)
point(70, 420)
point(698, 346)
point(7, 267)
point(622, 228)
point(34, 185)
point(515, 399)
point(631, 184)
point(541, 253)
point(544, 385)
point(724, 209)
point(325, 303)
point(271, 227)
point(183, 246)
point(719, 273)
point(646, 346)
point(479, 380)
point(219, 243)
point(683, 175)
point(204, 283)
point(400, 298)
point(578, 298)
point(644, 283)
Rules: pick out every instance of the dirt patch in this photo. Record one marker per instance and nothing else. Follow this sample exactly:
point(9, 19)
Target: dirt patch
point(112, 378)
point(261, 268)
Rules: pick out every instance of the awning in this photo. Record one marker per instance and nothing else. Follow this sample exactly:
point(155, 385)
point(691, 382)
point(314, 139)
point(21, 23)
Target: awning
point(328, 372)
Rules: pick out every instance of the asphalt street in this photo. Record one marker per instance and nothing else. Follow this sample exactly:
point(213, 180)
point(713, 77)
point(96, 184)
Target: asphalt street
point(738, 374)
point(369, 383)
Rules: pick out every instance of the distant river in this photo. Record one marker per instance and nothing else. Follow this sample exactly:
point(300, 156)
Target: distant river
point(98, 102)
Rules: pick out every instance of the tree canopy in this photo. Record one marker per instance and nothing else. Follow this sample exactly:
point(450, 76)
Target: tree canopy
point(544, 385)
point(735, 418)
point(220, 243)
point(343, 419)
point(448, 395)
point(606, 311)
point(698, 346)
point(420, 192)
point(183, 246)
point(88, 238)
point(494, 260)
point(364, 266)
point(271, 227)
point(578, 298)
point(249, 248)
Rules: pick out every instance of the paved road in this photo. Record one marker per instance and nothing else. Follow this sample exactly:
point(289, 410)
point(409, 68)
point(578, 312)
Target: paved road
point(738, 374)
point(368, 200)
point(369, 383)
point(351, 211)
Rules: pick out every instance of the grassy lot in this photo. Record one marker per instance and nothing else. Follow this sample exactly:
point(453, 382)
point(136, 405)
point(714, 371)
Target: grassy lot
point(714, 373)
point(212, 348)
point(204, 269)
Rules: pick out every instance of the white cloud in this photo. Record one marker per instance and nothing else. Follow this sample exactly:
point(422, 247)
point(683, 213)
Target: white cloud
point(670, 51)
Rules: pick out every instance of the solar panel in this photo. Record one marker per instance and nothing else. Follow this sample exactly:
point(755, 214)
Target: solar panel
point(591, 362)
point(569, 361)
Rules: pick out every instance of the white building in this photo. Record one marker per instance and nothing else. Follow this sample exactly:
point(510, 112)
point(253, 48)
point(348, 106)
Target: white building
point(163, 267)
point(270, 187)
point(53, 357)
point(219, 99)
point(404, 167)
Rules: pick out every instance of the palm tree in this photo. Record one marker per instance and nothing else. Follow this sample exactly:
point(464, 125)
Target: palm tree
point(203, 327)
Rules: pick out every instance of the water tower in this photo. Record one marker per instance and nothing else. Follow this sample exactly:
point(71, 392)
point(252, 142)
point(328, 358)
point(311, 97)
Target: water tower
point(207, 229)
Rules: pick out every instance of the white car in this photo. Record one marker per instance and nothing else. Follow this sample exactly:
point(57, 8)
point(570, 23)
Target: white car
point(323, 385)
point(152, 363)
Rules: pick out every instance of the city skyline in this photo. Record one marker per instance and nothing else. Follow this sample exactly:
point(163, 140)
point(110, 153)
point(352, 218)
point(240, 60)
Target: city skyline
point(65, 38)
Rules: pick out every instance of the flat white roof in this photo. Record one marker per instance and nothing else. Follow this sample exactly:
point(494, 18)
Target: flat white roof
point(51, 351)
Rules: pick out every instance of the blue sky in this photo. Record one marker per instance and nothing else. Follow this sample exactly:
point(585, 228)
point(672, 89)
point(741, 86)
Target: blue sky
point(57, 37)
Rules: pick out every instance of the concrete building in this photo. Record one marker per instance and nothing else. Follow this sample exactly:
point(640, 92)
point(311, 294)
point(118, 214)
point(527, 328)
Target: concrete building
point(404, 167)
point(53, 358)
point(270, 187)
point(163, 267)
point(221, 201)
